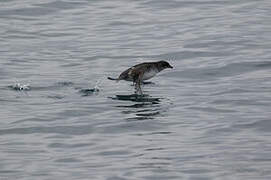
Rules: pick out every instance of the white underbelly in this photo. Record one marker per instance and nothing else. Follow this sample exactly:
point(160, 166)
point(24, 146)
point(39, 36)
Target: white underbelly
point(149, 74)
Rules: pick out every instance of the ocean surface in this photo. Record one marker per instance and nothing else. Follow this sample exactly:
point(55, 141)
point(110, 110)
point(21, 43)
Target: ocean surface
point(207, 118)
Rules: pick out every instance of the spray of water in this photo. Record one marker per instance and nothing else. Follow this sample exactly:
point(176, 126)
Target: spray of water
point(96, 87)
point(21, 87)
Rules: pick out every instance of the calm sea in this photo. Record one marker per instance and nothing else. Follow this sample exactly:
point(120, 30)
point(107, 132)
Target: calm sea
point(208, 118)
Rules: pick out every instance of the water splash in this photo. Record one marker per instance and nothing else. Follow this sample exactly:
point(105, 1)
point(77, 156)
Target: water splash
point(20, 87)
point(91, 91)
point(96, 87)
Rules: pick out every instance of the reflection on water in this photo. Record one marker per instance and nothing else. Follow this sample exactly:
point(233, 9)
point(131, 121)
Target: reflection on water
point(146, 107)
point(137, 98)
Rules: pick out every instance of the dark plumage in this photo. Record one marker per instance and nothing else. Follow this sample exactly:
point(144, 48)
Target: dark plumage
point(140, 72)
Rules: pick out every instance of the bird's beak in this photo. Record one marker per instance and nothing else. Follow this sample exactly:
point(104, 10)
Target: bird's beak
point(170, 67)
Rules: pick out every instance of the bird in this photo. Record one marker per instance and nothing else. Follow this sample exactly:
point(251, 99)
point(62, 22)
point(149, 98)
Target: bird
point(141, 72)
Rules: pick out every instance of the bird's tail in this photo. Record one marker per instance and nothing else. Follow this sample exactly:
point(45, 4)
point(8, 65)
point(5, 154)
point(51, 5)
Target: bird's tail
point(113, 79)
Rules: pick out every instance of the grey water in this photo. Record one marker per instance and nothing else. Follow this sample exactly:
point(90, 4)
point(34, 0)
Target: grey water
point(208, 118)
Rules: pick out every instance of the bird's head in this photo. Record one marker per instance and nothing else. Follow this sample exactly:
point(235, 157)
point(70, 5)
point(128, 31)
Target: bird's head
point(164, 65)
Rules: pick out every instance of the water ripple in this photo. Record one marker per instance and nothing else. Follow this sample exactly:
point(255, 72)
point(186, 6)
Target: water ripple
point(208, 118)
